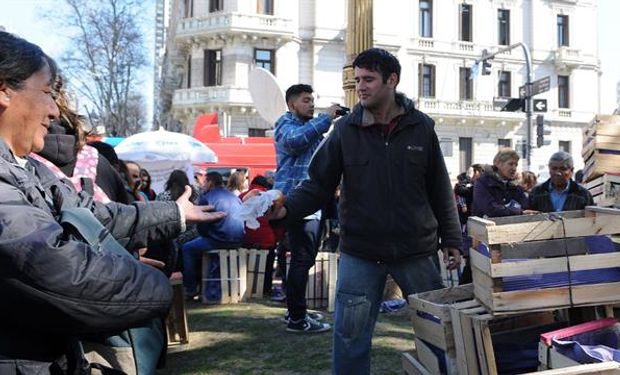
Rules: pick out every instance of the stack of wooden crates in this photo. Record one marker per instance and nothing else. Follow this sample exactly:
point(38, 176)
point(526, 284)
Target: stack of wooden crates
point(457, 328)
point(601, 155)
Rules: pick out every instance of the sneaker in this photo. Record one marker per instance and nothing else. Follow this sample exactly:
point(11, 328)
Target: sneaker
point(307, 325)
point(278, 296)
point(311, 314)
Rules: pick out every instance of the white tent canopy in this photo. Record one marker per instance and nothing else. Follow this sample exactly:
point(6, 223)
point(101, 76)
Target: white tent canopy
point(160, 152)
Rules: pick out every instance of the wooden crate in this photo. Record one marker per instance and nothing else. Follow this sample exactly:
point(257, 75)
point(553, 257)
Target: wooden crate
point(257, 264)
point(605, 190)
point(432, 323)
point(176, 321)
point(475, 330)
point(233, 276)
point(322, 277)
point(550, 358)
point(537, 245)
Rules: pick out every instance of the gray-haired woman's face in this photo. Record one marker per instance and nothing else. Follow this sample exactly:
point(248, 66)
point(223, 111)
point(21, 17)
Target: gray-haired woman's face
point(507, 169)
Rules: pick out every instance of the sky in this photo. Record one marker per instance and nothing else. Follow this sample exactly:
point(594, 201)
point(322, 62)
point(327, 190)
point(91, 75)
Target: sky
point(23, 17)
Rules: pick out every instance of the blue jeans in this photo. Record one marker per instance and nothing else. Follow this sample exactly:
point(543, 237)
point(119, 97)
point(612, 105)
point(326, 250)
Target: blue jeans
point(192, 256)
point(304, 243)
point(358, 296)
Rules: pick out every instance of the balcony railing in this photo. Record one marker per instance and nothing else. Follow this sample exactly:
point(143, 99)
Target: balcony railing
point(214, 95)
point(566, 57)
point(464, 108)
point(235, 23)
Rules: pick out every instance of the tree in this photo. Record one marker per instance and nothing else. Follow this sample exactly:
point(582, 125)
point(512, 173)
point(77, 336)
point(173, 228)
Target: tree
point(104, 59)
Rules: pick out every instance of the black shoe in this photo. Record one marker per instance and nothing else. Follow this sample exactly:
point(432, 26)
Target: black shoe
point(307, 325)
point(312, 314)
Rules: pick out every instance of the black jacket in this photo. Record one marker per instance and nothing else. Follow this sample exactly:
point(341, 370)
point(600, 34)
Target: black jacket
point(578, 198)
point(493, 197)
point(52, 288)
point(396, 200)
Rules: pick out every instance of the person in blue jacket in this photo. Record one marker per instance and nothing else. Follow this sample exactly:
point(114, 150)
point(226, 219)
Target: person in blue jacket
point(297, 135)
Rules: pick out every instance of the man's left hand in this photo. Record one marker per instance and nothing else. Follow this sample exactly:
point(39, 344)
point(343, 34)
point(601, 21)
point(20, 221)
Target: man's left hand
point(453, 252)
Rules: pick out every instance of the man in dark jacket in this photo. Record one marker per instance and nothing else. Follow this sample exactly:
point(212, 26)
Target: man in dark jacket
point(560, 192)
point(54, 288)
point(396, 204)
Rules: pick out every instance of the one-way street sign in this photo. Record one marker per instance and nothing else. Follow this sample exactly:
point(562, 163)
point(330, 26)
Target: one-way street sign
point(540, 105)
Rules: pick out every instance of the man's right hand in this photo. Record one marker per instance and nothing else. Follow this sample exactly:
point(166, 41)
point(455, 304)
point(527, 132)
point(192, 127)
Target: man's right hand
point(331, 111)
point(277, 211)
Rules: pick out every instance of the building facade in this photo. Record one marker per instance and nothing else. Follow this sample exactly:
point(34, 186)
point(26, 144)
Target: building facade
point(217, 43)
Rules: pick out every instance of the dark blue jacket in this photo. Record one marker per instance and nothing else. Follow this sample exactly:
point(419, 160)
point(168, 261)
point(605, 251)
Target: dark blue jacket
point(396, 201)
point(229, 229)
point(492, 197)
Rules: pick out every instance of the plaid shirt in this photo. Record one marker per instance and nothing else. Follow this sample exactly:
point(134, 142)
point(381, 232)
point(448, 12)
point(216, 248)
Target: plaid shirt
point(295, 143)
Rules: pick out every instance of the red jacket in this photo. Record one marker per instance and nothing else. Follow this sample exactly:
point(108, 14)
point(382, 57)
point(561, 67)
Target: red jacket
point(263, 237)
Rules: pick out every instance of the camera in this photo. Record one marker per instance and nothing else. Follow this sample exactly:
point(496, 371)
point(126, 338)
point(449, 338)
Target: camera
point(342, 111)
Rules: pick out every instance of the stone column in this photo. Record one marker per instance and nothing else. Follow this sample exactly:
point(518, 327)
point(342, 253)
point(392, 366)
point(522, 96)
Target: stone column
point(359, 38)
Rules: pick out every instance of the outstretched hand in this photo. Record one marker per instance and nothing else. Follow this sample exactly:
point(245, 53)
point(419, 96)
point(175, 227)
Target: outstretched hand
point(453, 263)
point(277, 210)
point(197, 214)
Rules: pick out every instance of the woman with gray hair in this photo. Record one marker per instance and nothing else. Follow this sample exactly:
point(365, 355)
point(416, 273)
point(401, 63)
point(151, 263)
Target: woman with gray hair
point(560, 192)
point(497, 192)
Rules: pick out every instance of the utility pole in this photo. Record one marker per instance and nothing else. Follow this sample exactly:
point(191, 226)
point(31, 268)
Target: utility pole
point(528, 90)
point(359, 37)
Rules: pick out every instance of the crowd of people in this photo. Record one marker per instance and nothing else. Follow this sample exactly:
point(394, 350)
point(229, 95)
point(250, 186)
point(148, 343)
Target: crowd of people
point(381, 163)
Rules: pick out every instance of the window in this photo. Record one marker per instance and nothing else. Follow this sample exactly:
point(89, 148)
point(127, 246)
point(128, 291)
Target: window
point(564, 146)
point(263, 58)
point(465, 153)
point(466, 89)
point(426, 18)
point(189, 71)
point(188, 8)
point(212, 75)
point(503, 27)
point(445, 144)
point(465, 17)
point(504, 142)
point(264, 7)
point(563, 90)
point(562, 31)
point(503, 84)
point(216, 6)
point(426, 81)
point(253, 132)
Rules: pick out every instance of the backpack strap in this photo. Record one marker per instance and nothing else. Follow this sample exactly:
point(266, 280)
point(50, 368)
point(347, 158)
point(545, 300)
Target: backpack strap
point(81, 221)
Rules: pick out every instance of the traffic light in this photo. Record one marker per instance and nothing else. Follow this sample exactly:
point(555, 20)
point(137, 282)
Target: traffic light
point(541, 132)
point(486, 64)
point(486, 68)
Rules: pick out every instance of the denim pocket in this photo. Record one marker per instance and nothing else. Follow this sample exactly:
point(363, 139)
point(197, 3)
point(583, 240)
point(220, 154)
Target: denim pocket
point(353, 312)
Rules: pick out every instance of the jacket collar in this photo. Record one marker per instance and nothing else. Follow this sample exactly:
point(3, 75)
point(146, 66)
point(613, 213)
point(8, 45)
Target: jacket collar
point(364, 118)
point(572, 186)
point(59, 149)
point(6, 153)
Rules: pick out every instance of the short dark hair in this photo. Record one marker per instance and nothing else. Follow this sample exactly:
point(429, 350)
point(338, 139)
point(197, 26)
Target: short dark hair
point(261, 181)
point(20, 59)
point(297, 90)
point(215, 178)
point(378, 60)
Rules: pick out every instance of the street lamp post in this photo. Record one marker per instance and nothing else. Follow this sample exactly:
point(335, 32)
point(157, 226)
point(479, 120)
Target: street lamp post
point(528, 90)
point(358, 38)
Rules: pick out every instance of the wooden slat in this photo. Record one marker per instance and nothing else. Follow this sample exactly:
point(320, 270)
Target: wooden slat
point(234, 276)
point(411, 366)
point(432, 332)
point(427, 357)
point(605, 368)
point(548, 248)
point(552, 265)
point(436, 302)
point(459, 341)
point(333, 275)
point(224, 275)
point(551, 298)
point(251, 280)
point(262, 267)
point(243, 275)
